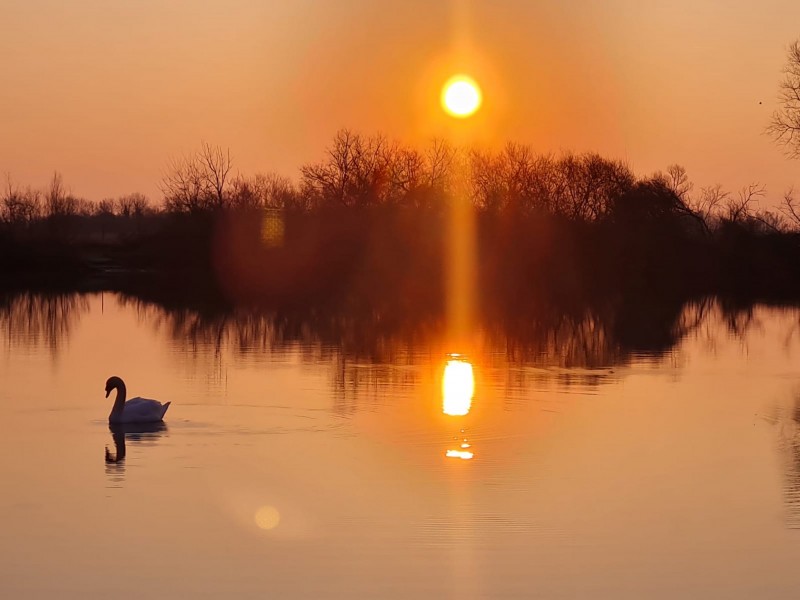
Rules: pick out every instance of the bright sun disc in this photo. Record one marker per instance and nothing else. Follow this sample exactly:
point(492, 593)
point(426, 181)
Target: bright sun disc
point(461, 96)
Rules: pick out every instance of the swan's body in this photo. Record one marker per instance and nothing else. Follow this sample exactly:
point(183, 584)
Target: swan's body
point(135, 410)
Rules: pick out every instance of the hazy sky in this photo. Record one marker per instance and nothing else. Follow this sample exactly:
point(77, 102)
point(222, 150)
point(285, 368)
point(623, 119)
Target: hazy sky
point(107, 91)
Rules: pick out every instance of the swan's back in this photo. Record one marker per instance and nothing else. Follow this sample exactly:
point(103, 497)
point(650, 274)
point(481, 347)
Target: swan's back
point(143, 410)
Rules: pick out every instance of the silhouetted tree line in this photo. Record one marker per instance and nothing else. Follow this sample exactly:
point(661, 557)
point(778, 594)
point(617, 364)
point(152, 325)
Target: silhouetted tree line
point(361, 172)
point(368, 221)
point(24, 208)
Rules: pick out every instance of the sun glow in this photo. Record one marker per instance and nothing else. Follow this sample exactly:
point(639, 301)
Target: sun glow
point(461, 96)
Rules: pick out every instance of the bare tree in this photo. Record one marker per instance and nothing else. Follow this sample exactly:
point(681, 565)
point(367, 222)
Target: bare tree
point(19, 207)
point(279, 191)
point(55, 196)
point(82, 206)
point(784, 126)
point(406, 171)
point(132, 205)
point(363, 171)
point(106, 207)
point(215, 166)
point(184, 187)
point(709, 203)
point(245, 193)
point(356, 172)
point(580, 187)
point(790, 209)
point(487, 180)
point(677, 180)
point(262, 191)
point(740, 209)
point(198, 182)
point(439, 164)
point(589, 183)
point(768, 221)
point(58, 201)
point(546, 185)
point(703, 208)
point(329, 180)
point(370, 181)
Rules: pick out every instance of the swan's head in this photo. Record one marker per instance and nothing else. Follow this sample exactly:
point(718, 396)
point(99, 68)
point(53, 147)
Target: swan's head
point(113, 383)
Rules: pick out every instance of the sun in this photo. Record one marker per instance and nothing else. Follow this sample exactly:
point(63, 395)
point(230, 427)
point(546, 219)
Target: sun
point(461, 96)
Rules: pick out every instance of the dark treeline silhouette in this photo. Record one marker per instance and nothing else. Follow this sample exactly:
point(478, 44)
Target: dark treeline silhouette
point(367, 226)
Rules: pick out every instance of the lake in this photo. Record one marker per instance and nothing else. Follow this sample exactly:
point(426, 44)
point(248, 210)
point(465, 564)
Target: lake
point(309, 458)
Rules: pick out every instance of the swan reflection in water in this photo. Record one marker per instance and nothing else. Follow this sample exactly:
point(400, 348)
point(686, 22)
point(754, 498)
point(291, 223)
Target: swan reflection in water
point(137, 433)
point(458, 389)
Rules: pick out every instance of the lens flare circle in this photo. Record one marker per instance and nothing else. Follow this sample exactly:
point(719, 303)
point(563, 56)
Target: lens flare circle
point(461, 96)
point(267, 517)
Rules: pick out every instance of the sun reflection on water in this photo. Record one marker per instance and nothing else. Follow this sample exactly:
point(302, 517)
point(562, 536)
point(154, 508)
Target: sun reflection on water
point(462, 454)
point(458, 386)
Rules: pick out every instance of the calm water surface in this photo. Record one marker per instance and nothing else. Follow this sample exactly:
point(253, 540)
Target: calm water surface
point(291, 467)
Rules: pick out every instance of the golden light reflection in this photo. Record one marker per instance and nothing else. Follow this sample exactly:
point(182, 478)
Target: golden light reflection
point(267, 517)
point(462, 454)
point(461, 96)
point(272, 228)
point(458, 387)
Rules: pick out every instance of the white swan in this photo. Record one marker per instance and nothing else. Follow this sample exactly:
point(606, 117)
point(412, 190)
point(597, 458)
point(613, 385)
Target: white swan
point(135, 410)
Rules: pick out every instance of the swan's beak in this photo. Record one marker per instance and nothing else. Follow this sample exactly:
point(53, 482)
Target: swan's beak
point(107, 393)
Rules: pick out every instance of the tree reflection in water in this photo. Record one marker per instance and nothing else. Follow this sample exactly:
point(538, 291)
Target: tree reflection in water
point(571, 345)
point(788, 424)
point(40, 319)
point(374, 348)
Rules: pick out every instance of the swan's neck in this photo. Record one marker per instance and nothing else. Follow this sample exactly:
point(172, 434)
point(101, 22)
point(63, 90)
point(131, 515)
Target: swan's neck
point(119, 403)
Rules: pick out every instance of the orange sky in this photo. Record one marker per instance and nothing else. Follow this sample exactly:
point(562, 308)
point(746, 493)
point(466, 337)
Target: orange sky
point(106, 92)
